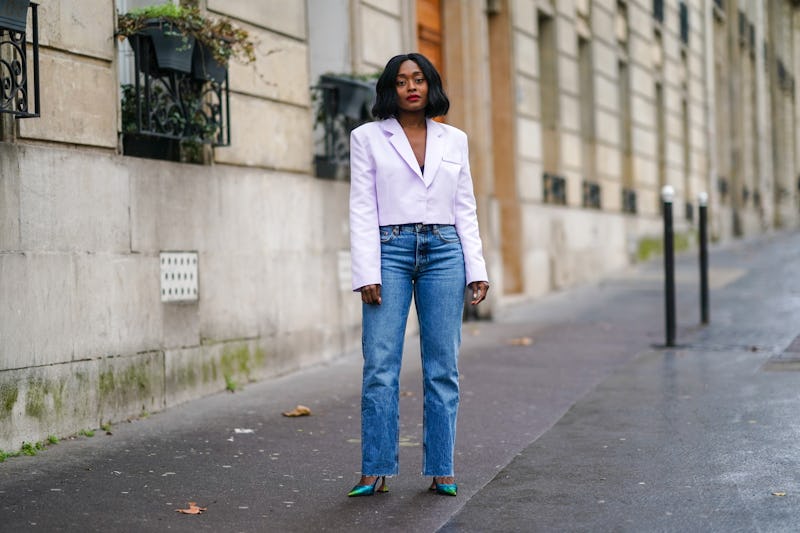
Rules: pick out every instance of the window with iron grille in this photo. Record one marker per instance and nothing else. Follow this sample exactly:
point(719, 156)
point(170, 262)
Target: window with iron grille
point(17, 90)
point(343, 103)
point(591, 194)
point(689, 211)
point(722, 188)
point(554, 189)
point(628, 201)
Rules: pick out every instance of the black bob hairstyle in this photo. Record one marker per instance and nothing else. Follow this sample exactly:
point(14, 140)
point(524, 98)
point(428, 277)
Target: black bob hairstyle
point(386, 88)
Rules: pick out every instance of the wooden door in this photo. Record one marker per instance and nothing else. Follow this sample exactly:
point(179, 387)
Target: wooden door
point(429, 31)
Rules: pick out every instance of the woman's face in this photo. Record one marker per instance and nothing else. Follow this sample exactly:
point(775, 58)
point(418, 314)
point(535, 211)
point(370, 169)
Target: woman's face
point(412, 88)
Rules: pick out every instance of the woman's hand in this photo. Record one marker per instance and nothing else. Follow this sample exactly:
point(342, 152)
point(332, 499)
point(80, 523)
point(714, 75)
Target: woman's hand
point(479, 290)
point(371, 294)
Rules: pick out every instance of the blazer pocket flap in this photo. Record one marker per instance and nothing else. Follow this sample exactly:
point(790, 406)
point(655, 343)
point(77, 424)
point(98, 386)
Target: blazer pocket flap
point(453, 157)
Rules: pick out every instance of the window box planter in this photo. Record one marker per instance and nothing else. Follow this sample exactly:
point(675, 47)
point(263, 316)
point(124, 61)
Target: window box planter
point(173, 28)
point(172, 49)
point(14, 14)
point(140, 145)
point(205, 66)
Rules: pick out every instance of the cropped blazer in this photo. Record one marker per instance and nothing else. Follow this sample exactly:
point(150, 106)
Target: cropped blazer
point(387, 187)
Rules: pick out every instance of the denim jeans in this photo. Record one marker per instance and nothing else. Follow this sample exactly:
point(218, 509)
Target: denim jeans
point(426, 261)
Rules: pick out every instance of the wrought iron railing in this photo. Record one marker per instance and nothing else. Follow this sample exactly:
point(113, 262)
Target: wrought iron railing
point(17, 90)
point(169, 104)
point(628, 201)
point(689, 211)
point(591, 194)
point(342, 104)
point(554, 189)
point(722, 187)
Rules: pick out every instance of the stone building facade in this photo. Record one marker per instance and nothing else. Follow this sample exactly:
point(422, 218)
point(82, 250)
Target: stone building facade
point(578, 111)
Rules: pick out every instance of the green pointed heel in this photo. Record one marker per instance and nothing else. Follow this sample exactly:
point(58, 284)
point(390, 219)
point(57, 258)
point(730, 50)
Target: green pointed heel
point(446, 489)
point(369, 490)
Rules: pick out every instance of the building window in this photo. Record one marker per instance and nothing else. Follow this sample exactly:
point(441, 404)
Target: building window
point(658, 10)
point(174, 94)
point(629, 201)
point(342, 104)
point(743, 28)
point(591, 194)
point(17, 91)
point(587, 107)
point(555, 189)
point(684, 21)
point(548, 92)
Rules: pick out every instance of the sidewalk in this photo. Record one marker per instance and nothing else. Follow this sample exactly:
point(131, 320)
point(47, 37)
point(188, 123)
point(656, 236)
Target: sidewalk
point(570, 421)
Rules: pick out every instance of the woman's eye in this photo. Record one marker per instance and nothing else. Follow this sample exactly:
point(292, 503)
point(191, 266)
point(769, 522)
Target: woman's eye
point(400, 83)
point(420, 80)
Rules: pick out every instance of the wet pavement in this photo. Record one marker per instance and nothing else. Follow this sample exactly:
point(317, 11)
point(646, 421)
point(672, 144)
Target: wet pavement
point(573, 418)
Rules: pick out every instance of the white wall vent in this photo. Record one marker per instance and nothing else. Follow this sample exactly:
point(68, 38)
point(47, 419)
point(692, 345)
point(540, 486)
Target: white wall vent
point(179, 277)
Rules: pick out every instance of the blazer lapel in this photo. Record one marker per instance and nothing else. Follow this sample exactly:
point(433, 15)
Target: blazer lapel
point(434, 151)
point(400, 142)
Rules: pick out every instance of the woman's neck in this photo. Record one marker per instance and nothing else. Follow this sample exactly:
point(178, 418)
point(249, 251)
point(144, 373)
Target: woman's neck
point(412, 120)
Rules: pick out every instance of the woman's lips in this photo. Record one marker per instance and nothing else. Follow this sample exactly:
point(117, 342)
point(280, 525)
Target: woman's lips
point(412, 98)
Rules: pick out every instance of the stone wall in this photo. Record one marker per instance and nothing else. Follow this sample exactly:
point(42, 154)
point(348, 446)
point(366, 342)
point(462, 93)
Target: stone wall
point(84, 337)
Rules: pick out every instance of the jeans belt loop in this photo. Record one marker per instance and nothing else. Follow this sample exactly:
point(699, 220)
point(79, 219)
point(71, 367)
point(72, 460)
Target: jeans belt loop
point(395, 230)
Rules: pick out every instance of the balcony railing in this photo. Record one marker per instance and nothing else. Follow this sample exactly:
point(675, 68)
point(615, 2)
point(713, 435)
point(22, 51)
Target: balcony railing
point(628, 201)
point(17, 90)
point(554, 189)
point(343, 104)
point(591, 194)
point(169, 104)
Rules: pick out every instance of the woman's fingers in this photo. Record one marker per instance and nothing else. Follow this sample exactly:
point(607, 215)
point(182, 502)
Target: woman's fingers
point(479, 290)
point(371, 294)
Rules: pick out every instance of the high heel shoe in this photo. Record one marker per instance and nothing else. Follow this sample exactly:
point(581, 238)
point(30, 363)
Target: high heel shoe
point(446, 489)
point(369, 490)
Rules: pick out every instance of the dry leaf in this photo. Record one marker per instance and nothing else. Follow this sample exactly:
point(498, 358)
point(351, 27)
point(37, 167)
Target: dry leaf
point(193, 509)
point(406, 394)
point(300, 410)
point(521, 341)
point(780, 493)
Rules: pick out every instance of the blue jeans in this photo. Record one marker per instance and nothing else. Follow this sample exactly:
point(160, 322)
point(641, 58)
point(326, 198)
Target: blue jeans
point(425, 260)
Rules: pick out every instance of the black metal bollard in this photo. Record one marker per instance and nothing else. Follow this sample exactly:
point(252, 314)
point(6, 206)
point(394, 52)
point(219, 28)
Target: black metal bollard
point(702, 200)
point(667, 195)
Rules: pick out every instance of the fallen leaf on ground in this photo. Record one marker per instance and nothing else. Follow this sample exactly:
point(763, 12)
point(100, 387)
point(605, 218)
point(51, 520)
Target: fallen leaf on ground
point(406, 394)
point(193, 509)
point(779, 493)
point(300, 410)
point(521, 341)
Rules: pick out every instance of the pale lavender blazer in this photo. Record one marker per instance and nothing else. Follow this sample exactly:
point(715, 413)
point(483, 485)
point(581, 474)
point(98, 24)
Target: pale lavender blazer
point(388, 188)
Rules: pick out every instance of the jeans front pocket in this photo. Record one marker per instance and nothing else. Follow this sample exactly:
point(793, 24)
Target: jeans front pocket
point(387, 233)
point(447, 234)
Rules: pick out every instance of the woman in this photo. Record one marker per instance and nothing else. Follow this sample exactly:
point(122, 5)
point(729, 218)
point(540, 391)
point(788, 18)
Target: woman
point(413, 229)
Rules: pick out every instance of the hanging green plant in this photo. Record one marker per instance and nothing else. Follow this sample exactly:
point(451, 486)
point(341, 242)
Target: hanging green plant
point(218, 35)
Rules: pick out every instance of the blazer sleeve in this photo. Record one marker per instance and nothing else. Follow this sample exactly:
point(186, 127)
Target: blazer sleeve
point(365, 242)
point(466, 217)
